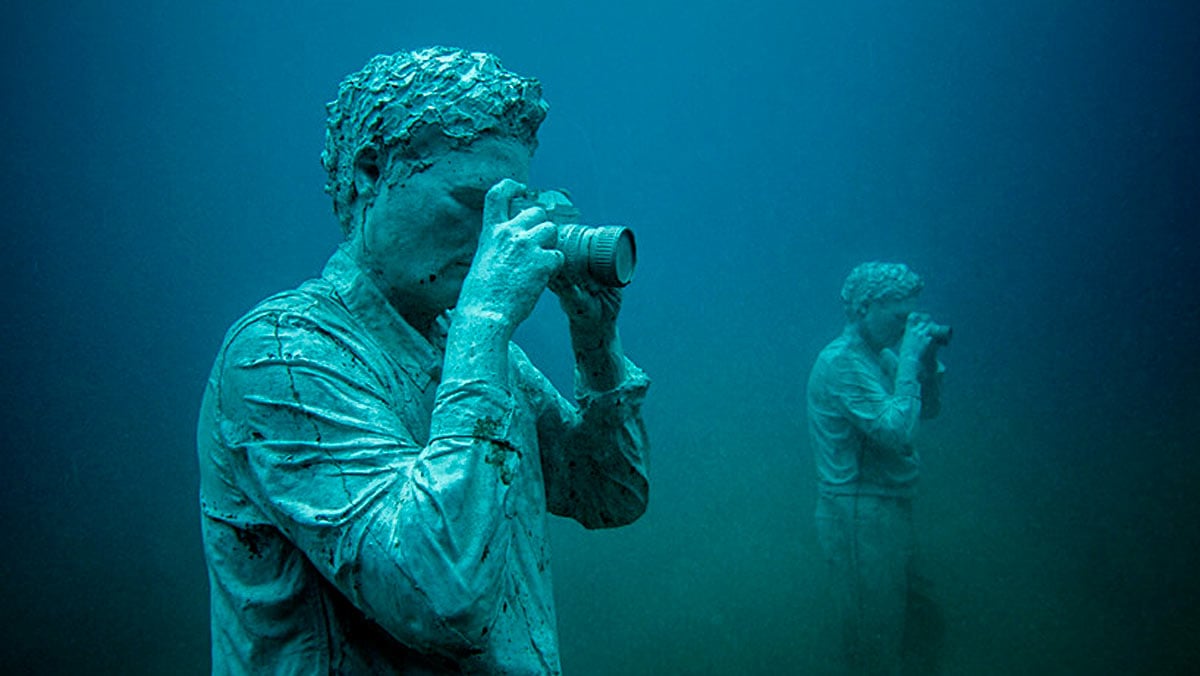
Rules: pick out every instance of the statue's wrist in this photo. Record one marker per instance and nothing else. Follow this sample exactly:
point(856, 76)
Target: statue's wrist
point(594, 336)
point(482, 321)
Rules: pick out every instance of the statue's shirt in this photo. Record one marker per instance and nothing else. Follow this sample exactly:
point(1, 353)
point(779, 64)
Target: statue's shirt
point(362, 516)
point(862, 420)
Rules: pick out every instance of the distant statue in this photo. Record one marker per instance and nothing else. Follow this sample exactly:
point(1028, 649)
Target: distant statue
point(377, 457)
point(868, 391)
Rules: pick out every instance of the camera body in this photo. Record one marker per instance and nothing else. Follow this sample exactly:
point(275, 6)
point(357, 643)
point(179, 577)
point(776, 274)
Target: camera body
point(605, 255)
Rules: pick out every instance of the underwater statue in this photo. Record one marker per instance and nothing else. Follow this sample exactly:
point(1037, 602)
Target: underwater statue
point(377, 456)
point(867, 392)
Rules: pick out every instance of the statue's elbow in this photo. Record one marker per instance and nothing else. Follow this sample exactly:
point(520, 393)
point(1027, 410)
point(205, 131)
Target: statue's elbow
point(625, 505)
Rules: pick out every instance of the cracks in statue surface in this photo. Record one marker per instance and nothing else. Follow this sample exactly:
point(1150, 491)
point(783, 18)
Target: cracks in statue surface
point(286, 360)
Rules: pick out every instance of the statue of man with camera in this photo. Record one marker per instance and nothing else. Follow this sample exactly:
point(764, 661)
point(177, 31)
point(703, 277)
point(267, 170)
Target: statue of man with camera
point(867, 392)
point(377, 456)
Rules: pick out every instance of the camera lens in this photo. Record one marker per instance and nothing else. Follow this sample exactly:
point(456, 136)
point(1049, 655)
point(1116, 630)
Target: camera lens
point(941, 334)
point(607, 254)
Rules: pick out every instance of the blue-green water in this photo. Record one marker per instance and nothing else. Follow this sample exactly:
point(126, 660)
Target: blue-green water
point(1035, 162)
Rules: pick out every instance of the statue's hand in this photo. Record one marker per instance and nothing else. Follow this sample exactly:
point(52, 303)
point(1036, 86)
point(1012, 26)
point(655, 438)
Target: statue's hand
point(590, 308)
point(515, 259)
point(918, 336)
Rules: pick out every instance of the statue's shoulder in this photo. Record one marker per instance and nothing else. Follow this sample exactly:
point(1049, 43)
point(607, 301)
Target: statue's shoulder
point(312, 306)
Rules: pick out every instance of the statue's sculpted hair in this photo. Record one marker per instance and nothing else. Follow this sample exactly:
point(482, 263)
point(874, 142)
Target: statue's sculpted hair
point(410, 106)
point(872, 282)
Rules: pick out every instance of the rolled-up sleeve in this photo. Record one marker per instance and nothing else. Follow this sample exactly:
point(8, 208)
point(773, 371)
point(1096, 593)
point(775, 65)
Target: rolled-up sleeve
point(931, 389)
point(412, 534)
point(595, 452)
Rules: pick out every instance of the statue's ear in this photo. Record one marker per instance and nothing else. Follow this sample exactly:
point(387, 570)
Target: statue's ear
point(366, 173)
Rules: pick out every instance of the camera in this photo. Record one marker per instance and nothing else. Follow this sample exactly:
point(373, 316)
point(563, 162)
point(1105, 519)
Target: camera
point(941, 334)
point(605, 254)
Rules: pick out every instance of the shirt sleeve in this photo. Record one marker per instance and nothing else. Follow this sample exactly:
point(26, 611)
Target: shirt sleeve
point(595, 452)
point(931, 388)
point(889, 419)
point(414, 535)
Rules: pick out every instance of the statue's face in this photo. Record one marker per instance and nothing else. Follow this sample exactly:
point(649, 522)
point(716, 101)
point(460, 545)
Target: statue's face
point(421, 230)
point(884, 321)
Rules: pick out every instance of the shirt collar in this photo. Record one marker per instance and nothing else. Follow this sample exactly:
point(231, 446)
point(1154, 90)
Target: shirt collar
point(420, 359)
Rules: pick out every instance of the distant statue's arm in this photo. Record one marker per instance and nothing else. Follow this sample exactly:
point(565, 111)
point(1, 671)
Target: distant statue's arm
point(932, 373)
point(890, 419)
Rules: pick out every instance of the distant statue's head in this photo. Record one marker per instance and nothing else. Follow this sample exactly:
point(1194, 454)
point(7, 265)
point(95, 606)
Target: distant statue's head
point(406, 109)
point(877, 282)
